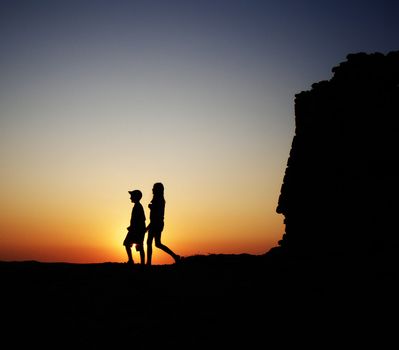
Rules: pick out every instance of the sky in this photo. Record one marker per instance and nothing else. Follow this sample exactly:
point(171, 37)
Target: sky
point(101, 97)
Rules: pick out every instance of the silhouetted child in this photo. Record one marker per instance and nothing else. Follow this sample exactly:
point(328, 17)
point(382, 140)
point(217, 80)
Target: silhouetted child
point(155, 228)
point(137, 228)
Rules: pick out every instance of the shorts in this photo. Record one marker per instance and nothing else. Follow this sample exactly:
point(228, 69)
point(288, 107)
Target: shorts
point(133, 237)
point(156, 227)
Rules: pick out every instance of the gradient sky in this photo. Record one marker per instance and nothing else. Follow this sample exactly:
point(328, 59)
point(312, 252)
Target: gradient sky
point(101, 97)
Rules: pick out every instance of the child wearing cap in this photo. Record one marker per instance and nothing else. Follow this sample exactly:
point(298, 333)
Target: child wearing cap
point(137, 228)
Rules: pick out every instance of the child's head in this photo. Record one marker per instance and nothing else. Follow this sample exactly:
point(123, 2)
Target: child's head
point(158, 189)
point(135, 195)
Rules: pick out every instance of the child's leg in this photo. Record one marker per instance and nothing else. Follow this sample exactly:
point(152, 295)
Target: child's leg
point(163, 247)
point(149, 247)
point(129, 253)
point(142, 255)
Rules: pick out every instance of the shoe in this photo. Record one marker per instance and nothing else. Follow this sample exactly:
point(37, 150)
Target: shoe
point(177, 259)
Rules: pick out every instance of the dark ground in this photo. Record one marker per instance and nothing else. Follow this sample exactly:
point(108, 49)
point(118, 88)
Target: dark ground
point(213, 301)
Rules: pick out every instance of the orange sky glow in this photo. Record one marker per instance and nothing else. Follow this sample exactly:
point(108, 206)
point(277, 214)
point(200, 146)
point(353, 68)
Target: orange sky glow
point(64, 227)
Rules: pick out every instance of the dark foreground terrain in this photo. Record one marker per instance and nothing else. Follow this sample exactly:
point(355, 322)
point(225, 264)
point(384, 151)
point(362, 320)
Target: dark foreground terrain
point(214, 301)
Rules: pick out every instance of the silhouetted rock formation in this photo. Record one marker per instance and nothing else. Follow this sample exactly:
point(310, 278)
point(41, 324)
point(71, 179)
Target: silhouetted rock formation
point(340, 190)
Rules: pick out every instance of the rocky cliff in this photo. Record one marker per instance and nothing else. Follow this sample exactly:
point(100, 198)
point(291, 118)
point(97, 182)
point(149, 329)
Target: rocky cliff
point(340, 190)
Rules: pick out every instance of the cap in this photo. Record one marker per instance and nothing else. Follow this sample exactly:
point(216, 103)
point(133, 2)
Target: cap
point(136, 193)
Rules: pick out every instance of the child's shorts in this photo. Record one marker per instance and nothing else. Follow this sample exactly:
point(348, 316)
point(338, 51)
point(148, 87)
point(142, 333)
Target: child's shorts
point(134, 237)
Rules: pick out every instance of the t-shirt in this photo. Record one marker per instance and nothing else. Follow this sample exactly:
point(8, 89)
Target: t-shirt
point(137, 220)
point(157, 210)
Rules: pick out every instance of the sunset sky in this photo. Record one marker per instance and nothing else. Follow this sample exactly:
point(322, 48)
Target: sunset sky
point(101, 97)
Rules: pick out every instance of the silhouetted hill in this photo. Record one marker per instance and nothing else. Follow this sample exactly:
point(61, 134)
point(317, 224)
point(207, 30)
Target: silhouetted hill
point(340, 190)
point(211, 301)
